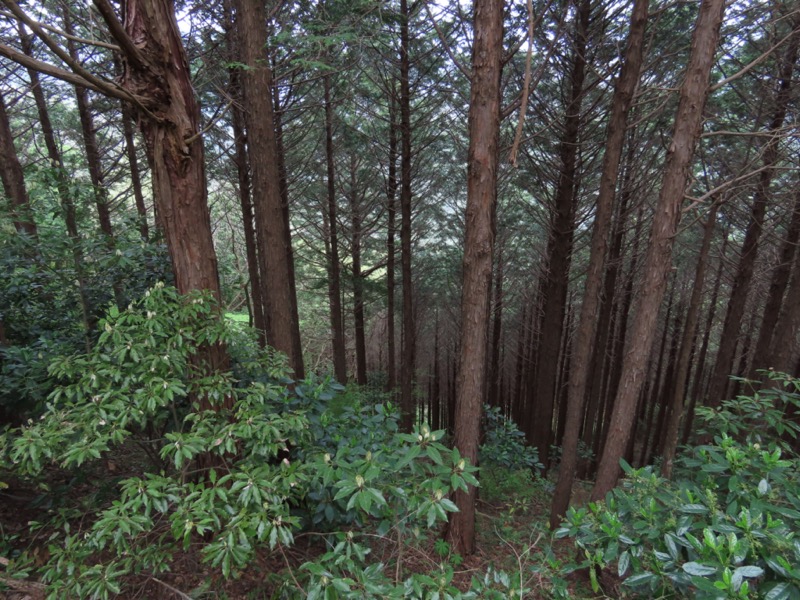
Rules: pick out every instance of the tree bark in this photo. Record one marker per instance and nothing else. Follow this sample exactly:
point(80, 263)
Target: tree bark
point(777, 290)
point(273, 242)
point(693, 94)
point(13, 179)
point(333, 264)
point(744, 274)
point(587, 324)
point(409, 327)
point(391, 192)
point(687, 341)
point(559, 251)
point(484, 123)
point(495, 374)
point(358, 280)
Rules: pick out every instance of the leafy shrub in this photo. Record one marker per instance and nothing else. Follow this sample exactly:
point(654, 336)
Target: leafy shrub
point(727, 527)
point(218, 485)
point(504, 444)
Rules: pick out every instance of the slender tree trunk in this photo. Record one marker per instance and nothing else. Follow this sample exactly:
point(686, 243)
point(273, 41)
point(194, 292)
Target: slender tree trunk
point(687, 342)
point(777, 290)
point(587, 324)
point(273, 243)
point(495, 374)
point(135, 171)
point(333, 265)
point(391, 192)
point(744, 274)
point(283, 184)
point(699, 377)
point(409, 328)
point(13, 179)
point(783, 354)
point(358, 280)
point(484, 124)
point(693, 94)
point(67, 203)
point(559, 251)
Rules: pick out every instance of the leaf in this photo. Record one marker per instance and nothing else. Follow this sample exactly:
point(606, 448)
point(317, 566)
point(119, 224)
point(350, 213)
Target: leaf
point(780, 591)
point(694, 509)
point(624, 563)
point(749, 571)
point(639, 579)
point(698, 569)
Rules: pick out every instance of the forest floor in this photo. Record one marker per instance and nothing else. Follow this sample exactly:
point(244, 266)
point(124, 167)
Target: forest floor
point(512, 537)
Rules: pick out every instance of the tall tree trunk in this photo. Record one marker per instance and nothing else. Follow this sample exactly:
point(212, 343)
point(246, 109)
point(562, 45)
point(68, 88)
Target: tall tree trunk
point(283, 184)
point(783, 354)
point(693, 94)
point(135, 171)
point(67, 203)
point(777, 290)
point(484, 124)
point(391, 210)
point(409, 328)
point(13, 179)
point(273, 242)
point(159, 71)
point(687, 342)
point(699, 376)
point(559, 248)
point(358, 280)
point(744, 274)
point(587, 324)
point(333, 265)
point(495, 374)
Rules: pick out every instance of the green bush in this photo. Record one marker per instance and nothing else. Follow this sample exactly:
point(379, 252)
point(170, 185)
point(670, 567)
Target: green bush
point(238, 461)
point(504, 444)
point(726, 527)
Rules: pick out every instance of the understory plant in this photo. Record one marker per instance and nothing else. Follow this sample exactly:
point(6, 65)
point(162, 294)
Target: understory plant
point(229, 462)
point(727, 526)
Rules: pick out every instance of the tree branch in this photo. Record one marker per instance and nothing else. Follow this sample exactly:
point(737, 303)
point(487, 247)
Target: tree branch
point(118, 32)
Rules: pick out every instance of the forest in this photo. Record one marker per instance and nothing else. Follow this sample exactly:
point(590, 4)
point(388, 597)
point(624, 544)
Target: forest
point(409, 299)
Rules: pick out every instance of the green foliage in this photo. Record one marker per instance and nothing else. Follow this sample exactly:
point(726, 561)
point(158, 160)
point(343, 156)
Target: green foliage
point(219, 485)
point(727, 527)
point(504, 444)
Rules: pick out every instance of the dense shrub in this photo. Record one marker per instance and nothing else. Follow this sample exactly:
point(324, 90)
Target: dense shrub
point(726, 527)
point(238, 461)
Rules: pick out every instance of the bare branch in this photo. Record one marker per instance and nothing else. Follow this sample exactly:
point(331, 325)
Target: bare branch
point(45, 68)
point(118, 32)
point(445, 45)
point(65, 35)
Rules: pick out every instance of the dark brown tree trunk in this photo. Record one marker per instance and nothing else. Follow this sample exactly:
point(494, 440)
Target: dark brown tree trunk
point(744, 274)
point(358, 280)
point(559, 250)
point(495, 374)
point(133, 165)
point(333, 265)
point(687, 343)
point(777, 290)
point(484, 124)
point(693, 94)
point(90, 144)
point(699, 376)
point(783, 354)
point(273, 243)
point(586, 333)
point(519, 370)
point(436, 403)
point(13, 179)
point(283, 185)
point(391, 192)
point(409, 328)
point(67, 203)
